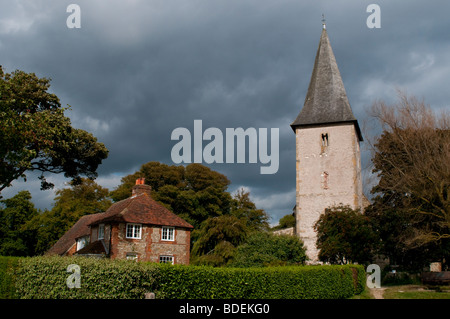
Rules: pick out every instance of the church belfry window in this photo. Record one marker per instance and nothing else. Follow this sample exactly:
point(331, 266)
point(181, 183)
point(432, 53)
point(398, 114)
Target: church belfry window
point(324, 139)
point(324, 143)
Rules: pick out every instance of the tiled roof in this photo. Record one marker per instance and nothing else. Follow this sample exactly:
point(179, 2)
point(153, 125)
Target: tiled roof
point(142, 209)
point(95, 248)
point(79, 229)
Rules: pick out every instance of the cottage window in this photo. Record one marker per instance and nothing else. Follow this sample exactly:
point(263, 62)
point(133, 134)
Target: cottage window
point(166, 259)
point(101, 231)
point(168, 233)
point(134, 231)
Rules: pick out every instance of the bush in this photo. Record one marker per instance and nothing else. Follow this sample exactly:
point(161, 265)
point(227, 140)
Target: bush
point(45, 277)
point(8, 268)
point(288, 282)
point(266, 249)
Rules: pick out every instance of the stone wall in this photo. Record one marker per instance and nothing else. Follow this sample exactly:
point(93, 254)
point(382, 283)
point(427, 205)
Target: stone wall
point(150, 246)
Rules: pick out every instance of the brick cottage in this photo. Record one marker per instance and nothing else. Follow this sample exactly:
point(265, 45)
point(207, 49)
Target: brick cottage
point(137, 228)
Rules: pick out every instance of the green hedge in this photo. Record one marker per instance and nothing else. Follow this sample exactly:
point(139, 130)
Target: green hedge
point(293, 282)
point(45, 277)
point(8, 266)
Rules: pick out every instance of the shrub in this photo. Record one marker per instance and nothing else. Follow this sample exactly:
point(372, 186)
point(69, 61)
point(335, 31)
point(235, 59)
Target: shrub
point(266, 249)
point(287, 282)
point(8, 268)
point(45, 277)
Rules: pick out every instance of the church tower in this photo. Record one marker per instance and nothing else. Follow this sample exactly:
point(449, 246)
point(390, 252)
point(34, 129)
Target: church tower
point(328, 163)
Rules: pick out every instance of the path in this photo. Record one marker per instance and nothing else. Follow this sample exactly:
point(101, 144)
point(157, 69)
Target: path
point(377, 293)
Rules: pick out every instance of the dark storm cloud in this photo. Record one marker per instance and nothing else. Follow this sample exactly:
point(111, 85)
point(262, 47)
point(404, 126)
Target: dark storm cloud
point(136, 70)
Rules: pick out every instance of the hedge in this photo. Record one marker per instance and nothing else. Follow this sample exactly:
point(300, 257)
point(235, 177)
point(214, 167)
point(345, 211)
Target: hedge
point(8, 266)
point(284, 282)
point(45, 277)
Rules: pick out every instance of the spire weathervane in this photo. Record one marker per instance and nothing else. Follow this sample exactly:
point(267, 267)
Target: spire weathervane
point(324, 25)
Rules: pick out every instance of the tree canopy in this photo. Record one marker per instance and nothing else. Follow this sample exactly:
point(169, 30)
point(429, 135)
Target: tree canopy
point(17, 238)
point(35, 135)
point(70, 205)
point(411, 157)
point(344, 236)
point(266, 249)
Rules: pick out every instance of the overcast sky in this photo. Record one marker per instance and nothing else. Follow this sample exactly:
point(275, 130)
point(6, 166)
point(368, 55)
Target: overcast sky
point(137, 70)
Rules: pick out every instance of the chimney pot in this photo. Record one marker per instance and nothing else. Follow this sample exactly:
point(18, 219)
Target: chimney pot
point(140, 187)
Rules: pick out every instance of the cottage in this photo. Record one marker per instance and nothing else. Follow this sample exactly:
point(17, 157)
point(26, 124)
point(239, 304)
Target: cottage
point(137, 228)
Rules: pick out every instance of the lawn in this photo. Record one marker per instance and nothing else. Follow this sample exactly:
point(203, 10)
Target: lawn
point(416, 292)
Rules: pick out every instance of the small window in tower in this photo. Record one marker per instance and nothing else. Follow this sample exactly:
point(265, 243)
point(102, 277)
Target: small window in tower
point(325, 139)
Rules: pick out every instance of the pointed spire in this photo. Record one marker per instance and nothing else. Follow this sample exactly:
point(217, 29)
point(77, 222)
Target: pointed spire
point(326, 100)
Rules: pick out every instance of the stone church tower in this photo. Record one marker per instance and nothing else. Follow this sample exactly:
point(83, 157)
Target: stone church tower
point(328, 164)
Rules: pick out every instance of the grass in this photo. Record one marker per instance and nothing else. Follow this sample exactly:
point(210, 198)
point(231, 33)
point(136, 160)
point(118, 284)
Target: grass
point(408, 292)
point(364, 295)
point(416, 292)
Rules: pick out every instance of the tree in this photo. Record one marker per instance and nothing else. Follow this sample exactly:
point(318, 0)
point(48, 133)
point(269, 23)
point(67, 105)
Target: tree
point(70, 205)
point(217, 239)
point(344, 236)
point(36, 136)
point(411, 159)
point(266, 249)
point(16, 237)
point(286, 221)
point(242, 207)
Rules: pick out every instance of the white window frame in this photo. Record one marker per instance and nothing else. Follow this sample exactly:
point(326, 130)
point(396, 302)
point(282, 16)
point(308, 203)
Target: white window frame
point(168, 233)
point(136, 230)
point(166, 259)
point(101, 234)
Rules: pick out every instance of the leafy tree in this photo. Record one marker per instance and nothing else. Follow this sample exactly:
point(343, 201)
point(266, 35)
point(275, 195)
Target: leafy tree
point(16, 237)
point(70, 205)
point(286, 221)
point(217, 239)
point(266, 249)
point(242, 207)
point(36, 136)
point(344, 236)
point(393, 227)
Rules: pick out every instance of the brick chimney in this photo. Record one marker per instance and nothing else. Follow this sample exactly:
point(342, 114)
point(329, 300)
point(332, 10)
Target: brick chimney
point(141, 188)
